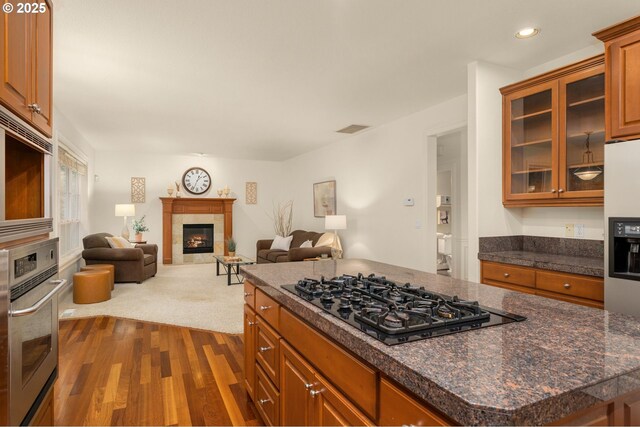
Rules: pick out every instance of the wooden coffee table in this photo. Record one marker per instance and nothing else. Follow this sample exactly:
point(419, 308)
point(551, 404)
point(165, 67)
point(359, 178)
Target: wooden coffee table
point(231, 265)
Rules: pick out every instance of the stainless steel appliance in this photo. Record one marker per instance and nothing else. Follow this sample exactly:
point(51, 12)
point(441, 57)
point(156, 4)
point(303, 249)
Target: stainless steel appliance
point(622, 213)
point(397, 313)
point(25, 169)
point(29, 322)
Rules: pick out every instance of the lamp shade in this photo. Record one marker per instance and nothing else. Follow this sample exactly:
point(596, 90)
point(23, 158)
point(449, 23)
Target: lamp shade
point(335, 222)
point(126, 210)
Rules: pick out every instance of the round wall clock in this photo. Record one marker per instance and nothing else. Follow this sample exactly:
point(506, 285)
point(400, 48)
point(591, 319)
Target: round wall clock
point(196, 180)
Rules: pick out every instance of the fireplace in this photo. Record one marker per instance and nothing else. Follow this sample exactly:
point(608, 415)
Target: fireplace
point(197, 238)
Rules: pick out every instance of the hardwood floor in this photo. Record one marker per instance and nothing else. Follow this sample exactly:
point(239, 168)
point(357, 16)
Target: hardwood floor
point(128, 372)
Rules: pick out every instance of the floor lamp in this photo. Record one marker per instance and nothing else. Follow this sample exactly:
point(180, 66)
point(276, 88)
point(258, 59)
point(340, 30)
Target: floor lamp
point(335, 223)
point(125, 210)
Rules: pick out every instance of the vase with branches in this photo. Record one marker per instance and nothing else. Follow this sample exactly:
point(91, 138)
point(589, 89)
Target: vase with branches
point(283, 218)
point(139, 227)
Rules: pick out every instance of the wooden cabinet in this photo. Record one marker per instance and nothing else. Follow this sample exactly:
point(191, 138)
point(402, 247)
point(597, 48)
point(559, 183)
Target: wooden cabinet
point(267, 399)
point(398, 408)
point(574, 288)
point(308, 399)
point(621, 411)
point(268, 350)
point(249, 350)
point(26, 51)
point(553, 138)
point(267, 308)
point(622, 51)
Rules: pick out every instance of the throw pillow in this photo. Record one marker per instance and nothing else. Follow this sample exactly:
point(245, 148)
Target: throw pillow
point(117, 242)
point(325, 240)
point(307, 244)
point(281, 243)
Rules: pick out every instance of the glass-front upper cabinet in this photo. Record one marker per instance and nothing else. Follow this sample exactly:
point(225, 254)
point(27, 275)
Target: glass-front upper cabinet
point(531, 149)
point(582, 134)
point(553, 137)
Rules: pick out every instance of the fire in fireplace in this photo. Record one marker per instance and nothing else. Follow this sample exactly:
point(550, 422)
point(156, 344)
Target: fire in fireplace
point(197, 238)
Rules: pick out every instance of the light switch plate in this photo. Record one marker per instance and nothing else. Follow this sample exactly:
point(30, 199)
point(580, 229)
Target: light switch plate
point(579, 231)
point(568, 230)
point(408, 201)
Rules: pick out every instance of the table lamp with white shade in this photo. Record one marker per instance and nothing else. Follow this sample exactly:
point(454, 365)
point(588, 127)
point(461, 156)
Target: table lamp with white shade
point(335, 223)
point(125, 210)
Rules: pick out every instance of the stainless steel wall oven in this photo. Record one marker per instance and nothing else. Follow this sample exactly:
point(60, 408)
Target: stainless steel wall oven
point(29, 314)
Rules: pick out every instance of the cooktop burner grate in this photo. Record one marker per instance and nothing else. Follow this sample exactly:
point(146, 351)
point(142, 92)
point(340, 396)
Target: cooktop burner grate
point(395, 313)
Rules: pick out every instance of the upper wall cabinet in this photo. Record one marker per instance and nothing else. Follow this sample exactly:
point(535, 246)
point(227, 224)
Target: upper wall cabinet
point(26, 52)
point(622, 52)
point(553, 138)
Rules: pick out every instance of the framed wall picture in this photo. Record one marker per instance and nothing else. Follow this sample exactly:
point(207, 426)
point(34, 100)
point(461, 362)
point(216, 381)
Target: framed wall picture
point(324, 199)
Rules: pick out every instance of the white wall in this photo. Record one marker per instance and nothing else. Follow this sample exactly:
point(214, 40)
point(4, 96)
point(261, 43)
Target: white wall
point(115, 170)
point(374, 171)
point(487, 215)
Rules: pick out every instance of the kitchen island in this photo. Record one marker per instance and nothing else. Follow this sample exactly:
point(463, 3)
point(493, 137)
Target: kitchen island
point(565, 360)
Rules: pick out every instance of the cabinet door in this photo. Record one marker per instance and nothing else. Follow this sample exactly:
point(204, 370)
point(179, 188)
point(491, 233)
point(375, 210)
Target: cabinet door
point(15, 50)
point(623, 69)
point(331, 408)
point(41, 93)
point(582, 134)
point(249, 350)
point(296, 380)
point(631, 410)
point(530, 143)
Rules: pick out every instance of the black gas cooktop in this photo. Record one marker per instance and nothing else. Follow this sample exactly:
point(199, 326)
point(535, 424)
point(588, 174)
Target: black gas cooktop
point(397, 313)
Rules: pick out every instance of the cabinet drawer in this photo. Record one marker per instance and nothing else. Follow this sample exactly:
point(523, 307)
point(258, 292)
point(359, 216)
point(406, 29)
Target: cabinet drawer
point(268, 350)
point(347, 373)
point(250, 294)
point(267, 399)
point(398, 408)
point(268, 308)
point(567, 284)
point(509, 274)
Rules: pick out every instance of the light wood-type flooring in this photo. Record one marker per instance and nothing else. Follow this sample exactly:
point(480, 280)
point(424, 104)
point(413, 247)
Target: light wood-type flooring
point(127, 372)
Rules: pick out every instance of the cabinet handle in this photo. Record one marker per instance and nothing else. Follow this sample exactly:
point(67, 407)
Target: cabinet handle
point(506, 275)
point(553, 190)
point(314, 393)
point(264, 349)
point(35, 108)
point(263, 401)
point(561, 190)
point(252, 323)
point(247, 294)
point(567, 285)
point(308, 386)
point(265, 307)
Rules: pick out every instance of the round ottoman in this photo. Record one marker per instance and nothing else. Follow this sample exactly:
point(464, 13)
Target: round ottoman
point(110, 267)
point(91, 286)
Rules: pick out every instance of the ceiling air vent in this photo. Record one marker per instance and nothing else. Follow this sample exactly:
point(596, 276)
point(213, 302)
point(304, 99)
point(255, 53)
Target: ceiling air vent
point(352, 129)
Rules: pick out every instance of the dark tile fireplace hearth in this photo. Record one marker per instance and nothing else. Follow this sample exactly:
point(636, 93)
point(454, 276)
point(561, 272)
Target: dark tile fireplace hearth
point(197, 238)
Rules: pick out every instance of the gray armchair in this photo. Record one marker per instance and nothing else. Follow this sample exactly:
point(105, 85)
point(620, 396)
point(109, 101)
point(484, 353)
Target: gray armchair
point(131, 264)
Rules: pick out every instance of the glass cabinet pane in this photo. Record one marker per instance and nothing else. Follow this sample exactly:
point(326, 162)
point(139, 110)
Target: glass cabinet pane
point(531, 143)
point(585, 134)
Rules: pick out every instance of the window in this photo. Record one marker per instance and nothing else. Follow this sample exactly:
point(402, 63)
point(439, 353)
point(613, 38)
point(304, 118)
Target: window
point(72, 182)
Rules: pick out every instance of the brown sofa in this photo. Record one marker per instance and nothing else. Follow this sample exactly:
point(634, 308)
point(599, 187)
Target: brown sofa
point(131, 264)
point(295, 252)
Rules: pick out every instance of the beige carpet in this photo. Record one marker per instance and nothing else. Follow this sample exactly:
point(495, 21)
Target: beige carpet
point(183, 295)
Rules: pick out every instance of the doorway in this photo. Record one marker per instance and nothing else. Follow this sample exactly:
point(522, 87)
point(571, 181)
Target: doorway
point(451, 237)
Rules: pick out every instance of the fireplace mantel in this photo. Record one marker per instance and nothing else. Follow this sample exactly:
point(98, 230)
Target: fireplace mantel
point(193, 205)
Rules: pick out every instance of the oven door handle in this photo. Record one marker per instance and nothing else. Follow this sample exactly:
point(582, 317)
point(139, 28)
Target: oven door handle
point(37, 306)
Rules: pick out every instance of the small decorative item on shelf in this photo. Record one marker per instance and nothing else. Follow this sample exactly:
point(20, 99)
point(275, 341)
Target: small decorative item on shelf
point(226, 191)
point(139, 227)
point(219, 192)
point(170, 191)
point(178, 193)
point(231, 246)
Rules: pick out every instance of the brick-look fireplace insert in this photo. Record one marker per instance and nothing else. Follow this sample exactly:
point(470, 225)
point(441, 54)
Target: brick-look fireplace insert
point(193, 205)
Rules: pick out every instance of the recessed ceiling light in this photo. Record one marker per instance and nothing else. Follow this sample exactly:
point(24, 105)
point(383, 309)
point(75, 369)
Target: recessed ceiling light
point(526, 33)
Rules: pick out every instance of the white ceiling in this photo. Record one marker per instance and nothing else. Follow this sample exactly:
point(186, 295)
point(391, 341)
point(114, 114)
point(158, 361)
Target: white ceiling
point(270, 79)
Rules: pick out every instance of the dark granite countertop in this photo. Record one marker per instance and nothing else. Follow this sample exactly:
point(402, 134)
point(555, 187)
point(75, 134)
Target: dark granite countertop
point(562, 359)
point(577, 256)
